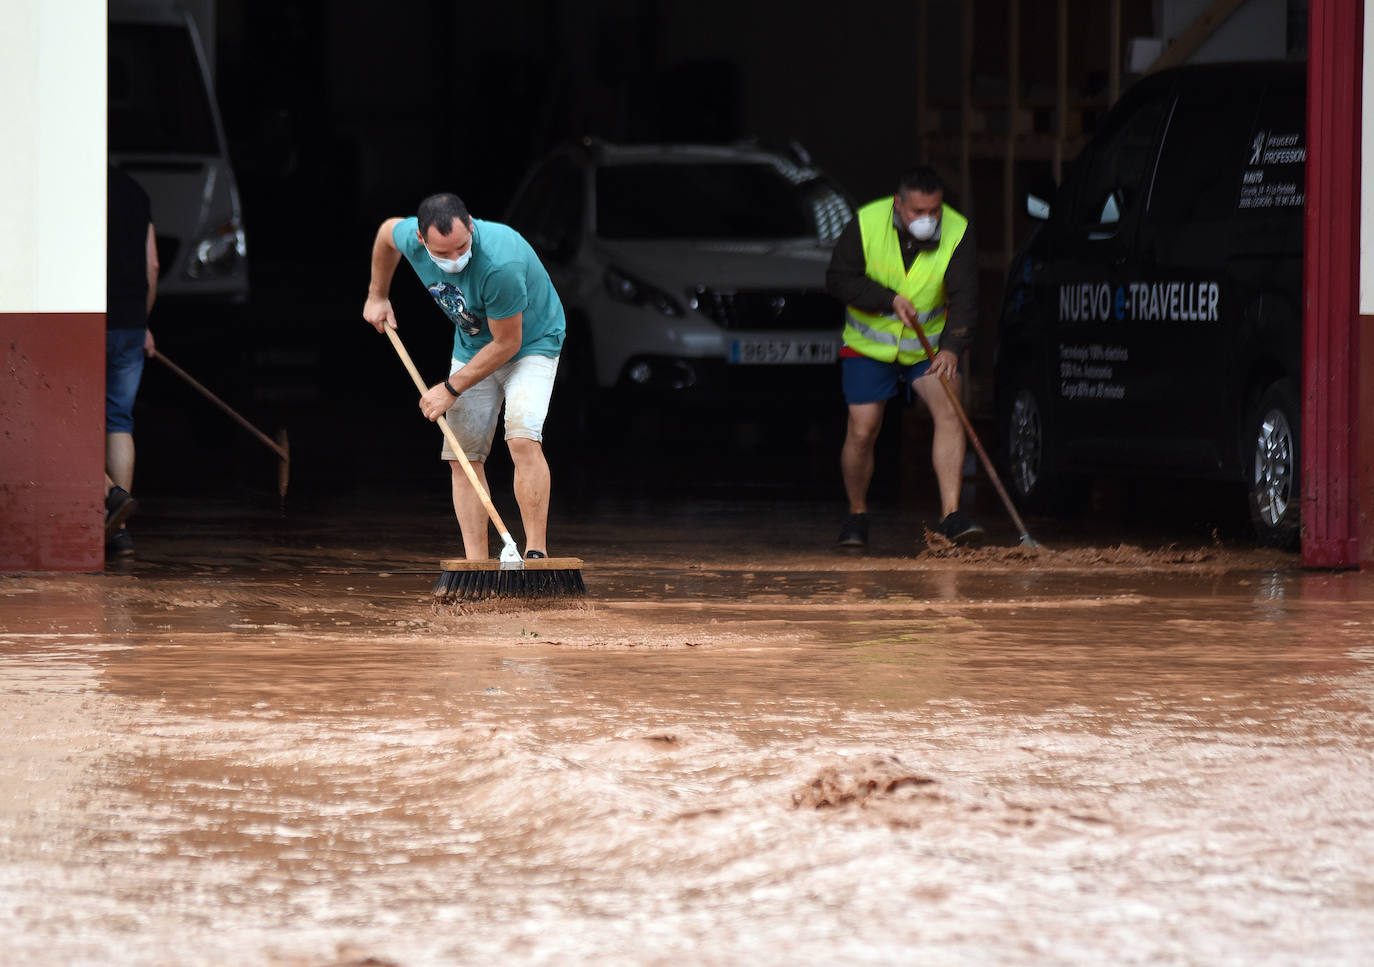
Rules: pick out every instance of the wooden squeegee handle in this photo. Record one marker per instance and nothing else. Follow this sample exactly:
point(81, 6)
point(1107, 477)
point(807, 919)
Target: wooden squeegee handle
point(274, 445)
point(448, 433)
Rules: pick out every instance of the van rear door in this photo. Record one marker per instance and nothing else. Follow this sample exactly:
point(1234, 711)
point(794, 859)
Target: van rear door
point(1266, 251)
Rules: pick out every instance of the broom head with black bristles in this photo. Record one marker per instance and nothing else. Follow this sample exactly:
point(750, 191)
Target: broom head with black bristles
point(461, 580)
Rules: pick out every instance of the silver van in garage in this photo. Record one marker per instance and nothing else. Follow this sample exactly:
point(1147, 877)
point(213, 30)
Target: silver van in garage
point(165, 131)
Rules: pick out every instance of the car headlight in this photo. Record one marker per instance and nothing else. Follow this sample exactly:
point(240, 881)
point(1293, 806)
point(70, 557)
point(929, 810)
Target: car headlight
point(626, 288)
point(218, 253)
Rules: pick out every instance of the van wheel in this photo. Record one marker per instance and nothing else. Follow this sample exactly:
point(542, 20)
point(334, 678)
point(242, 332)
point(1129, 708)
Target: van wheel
point(1273, 470)
point(1035, 482)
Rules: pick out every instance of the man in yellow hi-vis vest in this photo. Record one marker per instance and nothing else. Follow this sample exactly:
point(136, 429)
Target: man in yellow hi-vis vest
point(903, 260)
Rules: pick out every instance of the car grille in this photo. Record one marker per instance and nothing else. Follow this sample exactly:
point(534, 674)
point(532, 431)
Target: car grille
point(770, 309)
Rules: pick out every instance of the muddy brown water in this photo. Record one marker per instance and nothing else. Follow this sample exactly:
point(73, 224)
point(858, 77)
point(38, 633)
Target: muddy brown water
point(259, 745)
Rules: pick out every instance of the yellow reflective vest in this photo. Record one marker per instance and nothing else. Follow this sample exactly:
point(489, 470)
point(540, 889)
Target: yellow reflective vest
point(885, 337)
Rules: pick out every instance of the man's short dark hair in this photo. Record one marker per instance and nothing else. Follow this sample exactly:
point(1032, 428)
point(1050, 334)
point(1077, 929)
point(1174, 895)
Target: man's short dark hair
point(439, 211)
point(921, 178)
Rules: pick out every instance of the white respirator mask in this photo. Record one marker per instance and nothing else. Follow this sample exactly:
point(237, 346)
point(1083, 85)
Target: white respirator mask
point(451, 265)
point(923, 228)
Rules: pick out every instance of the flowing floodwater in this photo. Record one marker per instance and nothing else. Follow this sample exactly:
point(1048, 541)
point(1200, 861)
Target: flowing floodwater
point(285, 756)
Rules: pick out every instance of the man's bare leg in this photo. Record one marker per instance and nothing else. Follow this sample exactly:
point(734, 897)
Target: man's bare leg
point(532, 484)
point(856, 456)
point(473, 521)
point(947, 448)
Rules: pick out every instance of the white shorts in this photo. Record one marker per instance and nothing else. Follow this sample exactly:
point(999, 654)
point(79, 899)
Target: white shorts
point(524, 385)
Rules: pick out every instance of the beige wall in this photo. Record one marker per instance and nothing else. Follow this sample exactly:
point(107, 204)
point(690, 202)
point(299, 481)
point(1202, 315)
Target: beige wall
point(52, 171)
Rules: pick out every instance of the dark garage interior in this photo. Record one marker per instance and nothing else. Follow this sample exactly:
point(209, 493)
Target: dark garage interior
point(340, 114)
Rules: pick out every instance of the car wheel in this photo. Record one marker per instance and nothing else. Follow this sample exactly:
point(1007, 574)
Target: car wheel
point(1035, 482)
point(1273, 470)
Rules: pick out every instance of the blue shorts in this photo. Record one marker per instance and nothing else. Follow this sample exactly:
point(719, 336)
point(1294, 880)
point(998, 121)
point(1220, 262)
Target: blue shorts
point(123, 370)
point(870, 381)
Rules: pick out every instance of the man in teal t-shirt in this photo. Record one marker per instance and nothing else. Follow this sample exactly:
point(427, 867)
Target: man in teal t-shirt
point(508, 333)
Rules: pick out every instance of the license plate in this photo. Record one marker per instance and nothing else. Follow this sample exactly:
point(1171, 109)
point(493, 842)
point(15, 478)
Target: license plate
point(782, 352)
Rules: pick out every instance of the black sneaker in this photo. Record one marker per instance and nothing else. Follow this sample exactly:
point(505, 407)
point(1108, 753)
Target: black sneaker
point(534, 555)
point(854, 533)
point(119, 507)
point(121, 545)
point(960, 528)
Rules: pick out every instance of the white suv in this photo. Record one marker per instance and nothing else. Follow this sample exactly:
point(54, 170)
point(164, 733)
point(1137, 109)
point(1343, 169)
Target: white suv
point(688, 269)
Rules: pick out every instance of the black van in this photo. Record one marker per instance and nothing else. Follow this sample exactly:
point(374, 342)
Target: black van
point(1153, 322)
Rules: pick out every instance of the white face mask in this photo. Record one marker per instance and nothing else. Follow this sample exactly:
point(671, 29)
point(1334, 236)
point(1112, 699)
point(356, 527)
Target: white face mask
point(923, 228)
point(451, 265)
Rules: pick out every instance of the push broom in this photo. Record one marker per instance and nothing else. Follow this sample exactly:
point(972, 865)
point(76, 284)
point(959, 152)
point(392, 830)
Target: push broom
point(510, 576)
point(1026, 539)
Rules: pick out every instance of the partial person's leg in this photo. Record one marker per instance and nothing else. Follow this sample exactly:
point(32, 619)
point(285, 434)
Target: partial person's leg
point(123, 370)
point(528, 383)
point(856, 456)
point(119, 459)
point(947, 448)
point(119, 507)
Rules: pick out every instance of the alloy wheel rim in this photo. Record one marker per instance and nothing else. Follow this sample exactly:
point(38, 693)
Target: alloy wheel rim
point(1026, 443)
point(1273, 468)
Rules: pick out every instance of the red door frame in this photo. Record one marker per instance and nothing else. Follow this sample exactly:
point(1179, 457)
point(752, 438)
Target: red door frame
point(1337, 344)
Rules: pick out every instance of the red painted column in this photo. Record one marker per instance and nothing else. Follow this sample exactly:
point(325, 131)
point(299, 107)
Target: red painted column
point(1331, 345)
point(52, 441)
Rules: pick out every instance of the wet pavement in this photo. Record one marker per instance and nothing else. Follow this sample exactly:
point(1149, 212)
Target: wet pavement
point(261, 744)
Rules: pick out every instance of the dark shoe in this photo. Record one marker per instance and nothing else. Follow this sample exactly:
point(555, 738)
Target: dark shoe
point(534, 555)
point(854, 533)
point(119, 507)
point(960, 528)
point(121, 545)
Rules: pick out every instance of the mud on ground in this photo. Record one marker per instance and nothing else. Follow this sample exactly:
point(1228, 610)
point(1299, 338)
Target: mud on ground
point(260, 743)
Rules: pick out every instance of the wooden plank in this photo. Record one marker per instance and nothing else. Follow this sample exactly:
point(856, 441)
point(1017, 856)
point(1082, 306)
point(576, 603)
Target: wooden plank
point(923, 125)
point(966, 111)
point(1114, 57)
point(1061, 105)
point(1013, 109)
point(986, 147)
point(1194, 34)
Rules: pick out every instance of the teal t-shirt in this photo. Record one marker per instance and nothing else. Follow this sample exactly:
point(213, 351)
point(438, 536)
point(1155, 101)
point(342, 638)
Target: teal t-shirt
point(504, 277)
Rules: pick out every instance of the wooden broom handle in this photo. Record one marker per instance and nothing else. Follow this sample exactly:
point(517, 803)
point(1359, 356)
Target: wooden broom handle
point(448, 432)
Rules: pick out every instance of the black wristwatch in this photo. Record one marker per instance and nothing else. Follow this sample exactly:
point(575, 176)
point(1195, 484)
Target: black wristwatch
point(449, 386)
